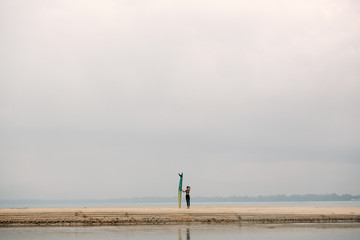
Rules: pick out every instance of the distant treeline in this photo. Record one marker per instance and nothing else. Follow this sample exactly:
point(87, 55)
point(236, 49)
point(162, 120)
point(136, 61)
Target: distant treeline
point(268, 198)
point(281, 198)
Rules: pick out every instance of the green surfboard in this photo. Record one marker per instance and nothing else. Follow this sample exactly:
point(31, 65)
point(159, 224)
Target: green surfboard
point(180, 188)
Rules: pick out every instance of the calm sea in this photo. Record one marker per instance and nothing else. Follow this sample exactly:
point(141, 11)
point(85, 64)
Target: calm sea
point(191, 232)
point(44, 204)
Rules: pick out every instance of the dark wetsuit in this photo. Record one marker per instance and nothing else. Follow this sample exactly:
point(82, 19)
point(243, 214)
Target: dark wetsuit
point(187, 197)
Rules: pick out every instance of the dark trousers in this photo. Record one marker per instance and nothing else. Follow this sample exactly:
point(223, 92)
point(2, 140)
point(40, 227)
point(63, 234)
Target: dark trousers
point(188, 200)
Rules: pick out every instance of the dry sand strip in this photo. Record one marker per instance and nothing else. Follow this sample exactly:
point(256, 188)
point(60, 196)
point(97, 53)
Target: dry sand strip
point(173, 215)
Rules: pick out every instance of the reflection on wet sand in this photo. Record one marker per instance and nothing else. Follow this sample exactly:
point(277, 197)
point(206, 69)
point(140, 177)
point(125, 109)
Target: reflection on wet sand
point(326, 231)
point(187, 234)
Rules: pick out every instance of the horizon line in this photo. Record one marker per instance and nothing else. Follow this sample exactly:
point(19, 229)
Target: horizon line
point(356, 196)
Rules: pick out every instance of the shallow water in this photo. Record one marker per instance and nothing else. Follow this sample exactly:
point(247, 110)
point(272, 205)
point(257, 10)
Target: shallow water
point(9, 204)
point(190, 232)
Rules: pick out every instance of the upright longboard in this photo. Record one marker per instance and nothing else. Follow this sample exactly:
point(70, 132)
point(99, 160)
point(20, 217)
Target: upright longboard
point(180, 188)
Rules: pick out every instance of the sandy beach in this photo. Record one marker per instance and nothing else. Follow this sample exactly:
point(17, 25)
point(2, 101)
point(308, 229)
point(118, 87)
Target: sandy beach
point(173, 215)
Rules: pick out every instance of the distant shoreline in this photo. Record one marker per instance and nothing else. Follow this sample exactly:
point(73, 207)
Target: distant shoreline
point(89, 203)
point(260, 198)
point(173, 215)
point(333, 197)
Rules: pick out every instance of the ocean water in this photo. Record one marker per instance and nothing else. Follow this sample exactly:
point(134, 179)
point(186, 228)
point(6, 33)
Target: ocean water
point(44, 204)
point(188, 232)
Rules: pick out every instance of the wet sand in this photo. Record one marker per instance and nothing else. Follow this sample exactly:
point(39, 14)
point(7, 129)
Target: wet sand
point(173, 215)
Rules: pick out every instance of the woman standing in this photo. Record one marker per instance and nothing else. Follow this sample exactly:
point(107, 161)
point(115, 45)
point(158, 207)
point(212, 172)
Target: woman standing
point(187, 196)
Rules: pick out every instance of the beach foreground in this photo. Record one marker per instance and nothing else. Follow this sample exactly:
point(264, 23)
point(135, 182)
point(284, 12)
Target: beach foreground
point(173, 215)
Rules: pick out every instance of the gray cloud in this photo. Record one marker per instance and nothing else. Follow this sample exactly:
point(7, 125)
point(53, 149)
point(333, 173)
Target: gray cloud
point(112, 98)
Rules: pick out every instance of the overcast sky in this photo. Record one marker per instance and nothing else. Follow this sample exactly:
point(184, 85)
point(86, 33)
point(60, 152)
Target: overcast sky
point(111, 98)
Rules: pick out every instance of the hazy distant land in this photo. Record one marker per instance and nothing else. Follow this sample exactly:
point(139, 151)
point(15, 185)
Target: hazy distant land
point(268, 198)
